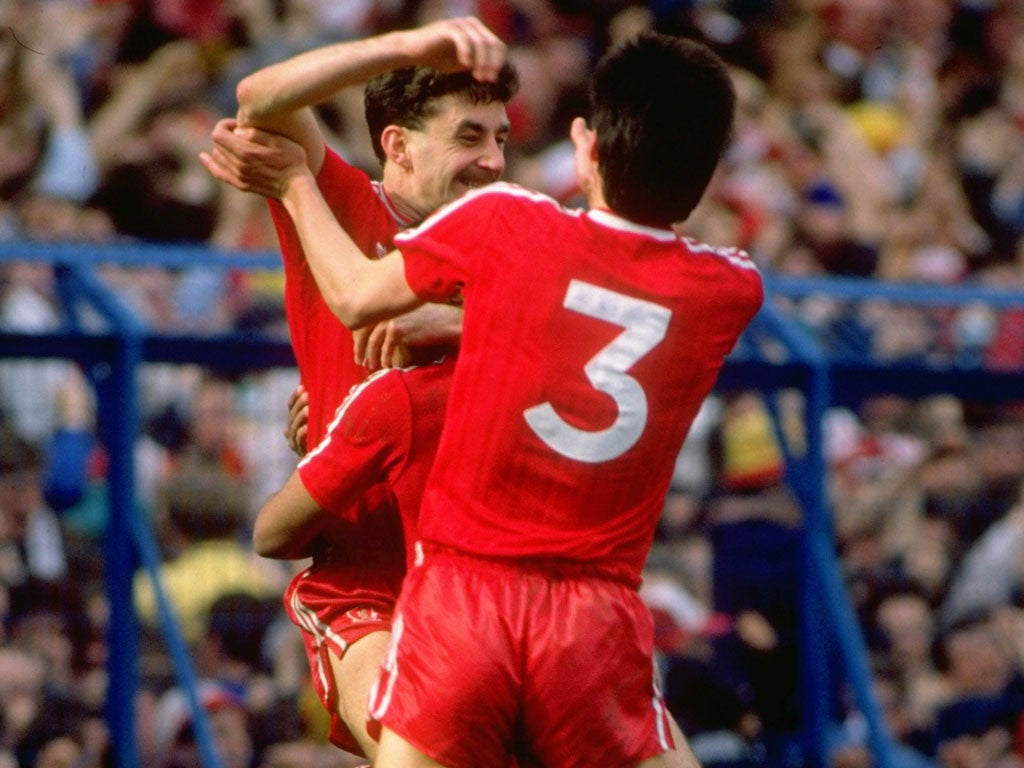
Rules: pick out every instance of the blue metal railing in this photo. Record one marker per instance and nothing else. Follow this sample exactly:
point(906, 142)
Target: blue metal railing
point(111, 359)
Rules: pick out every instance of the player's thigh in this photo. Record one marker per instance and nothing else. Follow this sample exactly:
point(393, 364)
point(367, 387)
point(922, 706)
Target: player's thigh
point(354, 674)
point(591, 696)
point(396, 752)
point(451, 682)
point(681, 756)
point(660, 761)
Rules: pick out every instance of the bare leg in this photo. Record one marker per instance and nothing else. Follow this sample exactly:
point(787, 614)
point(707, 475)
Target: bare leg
point(396, 752)
point(354, 675)
point(661, 761)
point(680, 757)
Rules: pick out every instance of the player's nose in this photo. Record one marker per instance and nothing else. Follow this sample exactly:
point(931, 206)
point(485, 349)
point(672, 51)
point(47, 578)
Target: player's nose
point(493, 157)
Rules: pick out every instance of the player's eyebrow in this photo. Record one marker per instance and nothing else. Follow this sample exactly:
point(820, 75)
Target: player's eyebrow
point(478, 127)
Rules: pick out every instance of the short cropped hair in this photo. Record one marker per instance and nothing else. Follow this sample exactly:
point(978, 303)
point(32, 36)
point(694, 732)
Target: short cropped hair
point(662, 108)
point(204, 502)
point(409, 96)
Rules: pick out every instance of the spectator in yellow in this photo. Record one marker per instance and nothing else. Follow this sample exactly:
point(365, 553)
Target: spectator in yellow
point(201, 515)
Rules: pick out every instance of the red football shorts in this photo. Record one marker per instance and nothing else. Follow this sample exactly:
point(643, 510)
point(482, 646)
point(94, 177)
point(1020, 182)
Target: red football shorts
point(486, 659)
point(334, 607)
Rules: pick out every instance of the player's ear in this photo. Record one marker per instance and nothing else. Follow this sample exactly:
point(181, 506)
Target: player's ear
point(395, 143)
point(584, 138)
point(584, 143)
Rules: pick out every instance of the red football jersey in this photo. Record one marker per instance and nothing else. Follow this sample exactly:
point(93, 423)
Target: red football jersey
point(386, 431)
point(324, 353)
point(588, 346)
point(323, 346)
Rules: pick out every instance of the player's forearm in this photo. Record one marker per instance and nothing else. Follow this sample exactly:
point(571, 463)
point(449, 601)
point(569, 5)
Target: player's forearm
point(430, 324)
point(336, 262)
point(314, 76)
point(287, 523)
point(357, 290)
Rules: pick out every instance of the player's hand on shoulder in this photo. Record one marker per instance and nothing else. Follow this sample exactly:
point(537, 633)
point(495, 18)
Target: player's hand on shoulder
point(298, 420)
point(387, 344)
point(381, 346)
point(430, 324)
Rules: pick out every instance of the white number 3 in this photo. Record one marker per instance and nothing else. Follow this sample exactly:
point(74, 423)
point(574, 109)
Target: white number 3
point(645, 324)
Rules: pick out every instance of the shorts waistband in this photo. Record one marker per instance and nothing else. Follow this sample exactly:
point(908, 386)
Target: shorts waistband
point(552, 568)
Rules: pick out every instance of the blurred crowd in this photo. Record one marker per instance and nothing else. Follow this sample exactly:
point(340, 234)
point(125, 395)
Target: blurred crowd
point(874, 139)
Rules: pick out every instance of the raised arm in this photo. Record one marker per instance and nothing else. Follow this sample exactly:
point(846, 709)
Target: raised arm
point(278, 98)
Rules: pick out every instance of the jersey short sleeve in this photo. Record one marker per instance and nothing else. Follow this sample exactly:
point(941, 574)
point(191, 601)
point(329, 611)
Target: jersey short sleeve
point(365, 442)
point(439, 254)
point(322, 345)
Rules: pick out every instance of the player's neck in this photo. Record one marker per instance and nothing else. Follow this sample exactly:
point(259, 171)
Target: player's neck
point(594, 192)
point(402, 205)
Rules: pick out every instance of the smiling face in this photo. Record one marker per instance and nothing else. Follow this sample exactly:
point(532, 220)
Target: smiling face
point(460, 147)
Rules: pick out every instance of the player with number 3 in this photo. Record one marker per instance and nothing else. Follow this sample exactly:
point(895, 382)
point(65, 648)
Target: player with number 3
point(590, 340)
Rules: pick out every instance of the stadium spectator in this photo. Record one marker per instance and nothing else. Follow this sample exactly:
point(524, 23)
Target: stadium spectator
point(48, 619)
point(989, 574)
point(29, 388)
point(977, 724)
point(199, 425)
point(754, 526)
point(175, 743)
point(850, 747)
point(210, 429)
point(202, 512)
point(22, 682)
point(32, 542)
point(902, 628)
point(874, 464)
